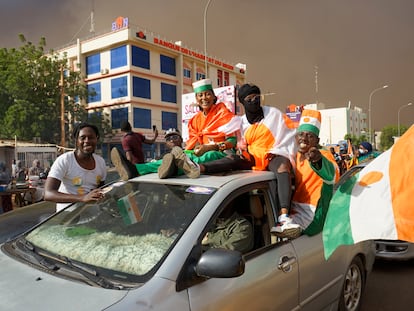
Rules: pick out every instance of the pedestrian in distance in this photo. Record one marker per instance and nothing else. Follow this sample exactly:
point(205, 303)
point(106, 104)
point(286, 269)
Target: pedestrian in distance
point(132, 143)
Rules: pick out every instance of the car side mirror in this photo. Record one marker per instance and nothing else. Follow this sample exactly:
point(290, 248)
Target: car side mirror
point(220, 263)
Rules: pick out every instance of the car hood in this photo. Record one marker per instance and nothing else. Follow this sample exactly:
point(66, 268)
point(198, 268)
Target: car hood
point(26, 288)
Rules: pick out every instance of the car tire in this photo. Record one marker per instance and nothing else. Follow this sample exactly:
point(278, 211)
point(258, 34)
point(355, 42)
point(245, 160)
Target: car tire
point(353, 287)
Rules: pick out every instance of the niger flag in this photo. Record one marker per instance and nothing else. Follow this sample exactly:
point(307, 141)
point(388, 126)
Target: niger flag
point(128, 208)
point(377, 202)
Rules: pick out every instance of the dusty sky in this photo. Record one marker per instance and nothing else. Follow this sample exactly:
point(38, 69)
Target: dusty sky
point(357, 45)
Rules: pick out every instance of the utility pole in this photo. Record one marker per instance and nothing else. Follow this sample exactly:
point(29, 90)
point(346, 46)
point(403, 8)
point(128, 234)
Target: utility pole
point(62, 108)
point(205, 37)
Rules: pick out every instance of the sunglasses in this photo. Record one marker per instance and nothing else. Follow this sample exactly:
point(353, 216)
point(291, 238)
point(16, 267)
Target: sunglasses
point(172, 137)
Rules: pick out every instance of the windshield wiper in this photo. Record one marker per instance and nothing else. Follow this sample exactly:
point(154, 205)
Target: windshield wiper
point(90, 274)
point(87, 272)
point(39, 258)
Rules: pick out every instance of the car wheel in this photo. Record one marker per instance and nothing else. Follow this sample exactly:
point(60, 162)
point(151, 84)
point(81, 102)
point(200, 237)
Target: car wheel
point(353, 286)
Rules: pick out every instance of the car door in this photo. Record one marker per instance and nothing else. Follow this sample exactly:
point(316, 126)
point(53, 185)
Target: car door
point(269, 282)
point(263, 286)
point(320, 280)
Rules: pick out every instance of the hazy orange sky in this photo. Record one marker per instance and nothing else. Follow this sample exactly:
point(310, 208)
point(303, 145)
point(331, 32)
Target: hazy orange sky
point(357, 45)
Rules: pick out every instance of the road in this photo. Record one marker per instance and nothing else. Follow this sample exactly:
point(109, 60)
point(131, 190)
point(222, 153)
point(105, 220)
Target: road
point(389, 287)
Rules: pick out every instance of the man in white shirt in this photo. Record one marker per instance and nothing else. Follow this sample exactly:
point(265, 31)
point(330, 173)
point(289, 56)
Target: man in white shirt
point(75, 176)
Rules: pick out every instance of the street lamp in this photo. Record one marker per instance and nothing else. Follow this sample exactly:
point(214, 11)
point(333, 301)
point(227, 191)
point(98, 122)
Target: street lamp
point(205, 36)
point(263, 96)
point(62, 108)
point(403, 106)
point(369, 110)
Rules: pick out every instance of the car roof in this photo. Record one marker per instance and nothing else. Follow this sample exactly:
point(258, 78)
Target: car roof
point(215, 181)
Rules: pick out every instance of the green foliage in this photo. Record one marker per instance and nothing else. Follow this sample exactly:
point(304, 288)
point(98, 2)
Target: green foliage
point(388, 133)
point(31, 85)
point(356, 140)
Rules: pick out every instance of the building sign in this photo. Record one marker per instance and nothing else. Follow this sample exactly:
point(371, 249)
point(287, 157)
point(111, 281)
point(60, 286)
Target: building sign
point(186, 51)
point(119, 23)
point(190, 107)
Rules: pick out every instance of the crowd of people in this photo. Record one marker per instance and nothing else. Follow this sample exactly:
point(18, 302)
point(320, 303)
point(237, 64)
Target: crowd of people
point(19, 174)
point(351, 155)
point(262, 139)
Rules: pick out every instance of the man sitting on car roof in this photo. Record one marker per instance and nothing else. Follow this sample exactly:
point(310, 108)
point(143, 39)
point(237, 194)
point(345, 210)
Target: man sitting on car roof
point(315, 176)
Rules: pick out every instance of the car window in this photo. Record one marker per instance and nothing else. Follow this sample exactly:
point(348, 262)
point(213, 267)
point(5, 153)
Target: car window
point(128, 232)
point(242, 223)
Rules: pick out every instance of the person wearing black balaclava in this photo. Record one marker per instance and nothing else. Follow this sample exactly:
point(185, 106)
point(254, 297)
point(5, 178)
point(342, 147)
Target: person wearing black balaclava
point(269, 136)
point(267, 143)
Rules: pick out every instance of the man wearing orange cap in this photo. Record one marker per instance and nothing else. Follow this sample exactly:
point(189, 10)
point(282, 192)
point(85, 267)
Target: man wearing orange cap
point(316, 174)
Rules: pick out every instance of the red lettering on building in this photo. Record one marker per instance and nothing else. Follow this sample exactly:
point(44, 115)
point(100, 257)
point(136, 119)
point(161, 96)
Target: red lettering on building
point(189, 52)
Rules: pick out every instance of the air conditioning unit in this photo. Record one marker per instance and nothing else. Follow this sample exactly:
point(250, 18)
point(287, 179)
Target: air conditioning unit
point(104, 71)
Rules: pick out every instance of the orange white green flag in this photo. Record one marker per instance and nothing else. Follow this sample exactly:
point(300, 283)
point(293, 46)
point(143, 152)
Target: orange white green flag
point(377, 202)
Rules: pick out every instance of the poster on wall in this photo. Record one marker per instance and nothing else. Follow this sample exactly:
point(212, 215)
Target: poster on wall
point(224, 94)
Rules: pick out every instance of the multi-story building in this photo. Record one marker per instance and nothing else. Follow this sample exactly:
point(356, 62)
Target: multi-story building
point(337, 122)
point(135, 75)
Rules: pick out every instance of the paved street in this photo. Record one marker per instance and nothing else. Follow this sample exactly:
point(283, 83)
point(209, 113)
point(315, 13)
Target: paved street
point(389, 287)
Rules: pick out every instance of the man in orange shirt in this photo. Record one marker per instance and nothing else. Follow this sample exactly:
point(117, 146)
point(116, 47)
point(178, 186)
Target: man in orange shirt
point(316, 174)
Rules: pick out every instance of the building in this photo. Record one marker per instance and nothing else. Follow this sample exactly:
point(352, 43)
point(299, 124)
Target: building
point(337, 122)
point(136, 75)
point(26, 152)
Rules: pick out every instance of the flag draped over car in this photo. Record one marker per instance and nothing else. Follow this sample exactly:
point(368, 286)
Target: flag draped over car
point(376, 203)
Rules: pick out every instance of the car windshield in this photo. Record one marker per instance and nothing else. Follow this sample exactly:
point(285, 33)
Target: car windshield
point(129, 231)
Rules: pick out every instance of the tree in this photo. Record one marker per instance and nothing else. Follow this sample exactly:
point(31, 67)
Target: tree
point(388, 133)
point(356, 140)
point(30, 93)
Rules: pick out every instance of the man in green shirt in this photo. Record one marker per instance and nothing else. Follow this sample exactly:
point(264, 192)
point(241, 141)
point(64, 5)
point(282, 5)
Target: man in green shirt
point(231, 231)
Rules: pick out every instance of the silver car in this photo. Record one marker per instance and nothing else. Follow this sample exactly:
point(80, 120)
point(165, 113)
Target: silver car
point(385, 249)
point(141, 248)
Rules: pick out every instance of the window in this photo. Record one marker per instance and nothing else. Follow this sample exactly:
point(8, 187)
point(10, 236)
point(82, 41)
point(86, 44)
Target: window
point(140, 57)
point(187, 73)
point(119, 87)
point(142, 118)
point(94, 116)
point(226, 79)
point(117, 116)
point(94, 92)
point(219, 77)
point(251, 205)
point(168, 93)
point(141, 87)
point(93, 64)
point(118, 57)
point(200, 76)
point(76, 99)
point(169, 120)
point(167, 65)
